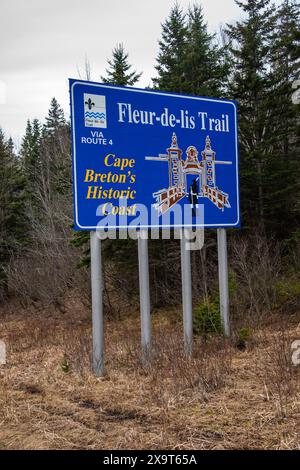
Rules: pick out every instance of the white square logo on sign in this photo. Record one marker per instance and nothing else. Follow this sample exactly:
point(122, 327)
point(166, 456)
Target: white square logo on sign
point(94, 110)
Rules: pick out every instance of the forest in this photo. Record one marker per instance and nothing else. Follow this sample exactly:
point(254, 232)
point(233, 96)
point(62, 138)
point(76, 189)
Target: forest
point(45, 264)
point(256, 62)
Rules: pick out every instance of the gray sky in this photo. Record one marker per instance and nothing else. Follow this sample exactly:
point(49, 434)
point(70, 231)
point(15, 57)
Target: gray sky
point(44, 42)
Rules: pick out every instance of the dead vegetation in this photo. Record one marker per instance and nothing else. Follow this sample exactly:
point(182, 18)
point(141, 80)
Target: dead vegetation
point(222, 398)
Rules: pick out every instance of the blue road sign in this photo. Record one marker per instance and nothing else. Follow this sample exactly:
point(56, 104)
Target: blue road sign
point(152, 159)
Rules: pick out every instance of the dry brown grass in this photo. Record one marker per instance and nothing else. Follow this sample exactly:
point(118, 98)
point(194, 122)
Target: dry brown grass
point(222, 398)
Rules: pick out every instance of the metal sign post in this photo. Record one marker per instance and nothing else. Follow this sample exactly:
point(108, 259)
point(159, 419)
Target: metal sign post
point(97, 305)
point(186, 294)
point(144, 292)
point(223, 279)
point(140, 159)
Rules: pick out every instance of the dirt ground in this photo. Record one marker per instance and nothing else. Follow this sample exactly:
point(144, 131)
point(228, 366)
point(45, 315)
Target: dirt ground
point(222, 398)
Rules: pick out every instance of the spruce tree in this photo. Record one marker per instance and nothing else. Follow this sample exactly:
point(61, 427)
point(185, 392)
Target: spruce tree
point(55, 151)
point(12, 212)
point(55, 119)
point(250, 45)
point(204, 62)
point(30, 151)
point(11, 147)
point(27, 142)
point(172, 50)
point(283, 168)
point(119, 71)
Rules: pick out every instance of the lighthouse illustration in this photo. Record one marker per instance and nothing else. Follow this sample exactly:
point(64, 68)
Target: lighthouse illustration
point(190, 177)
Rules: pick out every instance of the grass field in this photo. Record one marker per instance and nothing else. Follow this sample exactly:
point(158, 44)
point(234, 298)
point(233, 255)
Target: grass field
point(222, 398)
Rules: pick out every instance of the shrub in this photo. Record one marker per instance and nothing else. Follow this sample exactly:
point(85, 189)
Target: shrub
point(286, 289)
point(243, 336)
point(207, 318)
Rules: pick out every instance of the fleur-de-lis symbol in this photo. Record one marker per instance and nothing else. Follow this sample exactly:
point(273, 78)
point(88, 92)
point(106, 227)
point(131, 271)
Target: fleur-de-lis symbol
point(90, 103)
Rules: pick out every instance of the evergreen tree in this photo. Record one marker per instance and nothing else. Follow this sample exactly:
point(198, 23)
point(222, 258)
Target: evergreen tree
point(204, 62)
point(250, 42)
point(27, 142)
point(118, 74)
point(12, 214)
point(55, 119)
point(55, 151)
point(30, 151)
point(189, 59)
point(265, 63)
point(172, 50)
point(11, 147)
point(119, 71)
point(283, 168)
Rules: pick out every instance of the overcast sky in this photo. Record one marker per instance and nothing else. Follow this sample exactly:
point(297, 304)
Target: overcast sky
point(44, 42)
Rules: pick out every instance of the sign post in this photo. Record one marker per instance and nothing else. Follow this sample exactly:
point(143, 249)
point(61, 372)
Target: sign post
point(186, 294)
point(97, 305)
point(223, 279)
point(144, 293)
point(144, 159)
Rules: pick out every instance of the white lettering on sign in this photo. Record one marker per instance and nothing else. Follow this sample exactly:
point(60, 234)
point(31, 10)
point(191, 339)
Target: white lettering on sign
point(185, 120)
